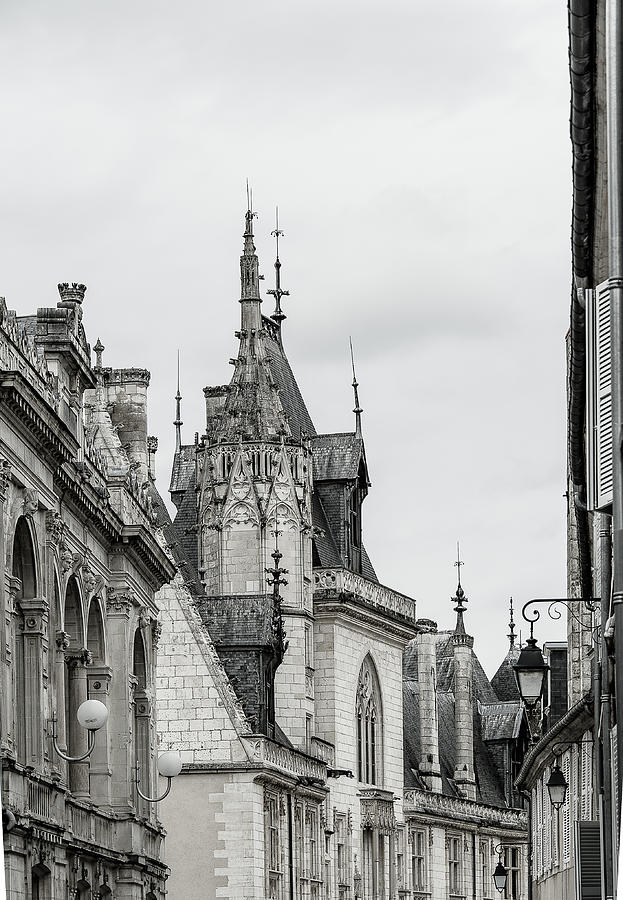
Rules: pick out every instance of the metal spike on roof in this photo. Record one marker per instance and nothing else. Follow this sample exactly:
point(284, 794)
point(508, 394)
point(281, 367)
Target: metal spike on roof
point(178, 410)
point(278, 292)
point(511, 625)
point(357, 410)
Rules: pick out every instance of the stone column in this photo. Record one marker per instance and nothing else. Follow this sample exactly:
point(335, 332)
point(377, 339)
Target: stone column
point(142, 751)
point(119, 608)
point(78, 736)
point(35, 619)
point(429, 767)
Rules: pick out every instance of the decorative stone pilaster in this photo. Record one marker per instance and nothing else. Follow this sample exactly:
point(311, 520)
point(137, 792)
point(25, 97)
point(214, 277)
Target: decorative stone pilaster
point(35, 616)
point(78, 737)
point(98, 683)
point(429, 766)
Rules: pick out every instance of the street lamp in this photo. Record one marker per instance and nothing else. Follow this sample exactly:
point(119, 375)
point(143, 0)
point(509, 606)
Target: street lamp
point(531, 671)
point(169, 765)
point(92, 715)
point(500, 875)
point(557, 787)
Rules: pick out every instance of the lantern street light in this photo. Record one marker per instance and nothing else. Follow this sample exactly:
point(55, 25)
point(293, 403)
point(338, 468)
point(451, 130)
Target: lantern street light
point(500, 875)
point(531, 669)
point(169, 765)
point(557, 787)
point(92, 715)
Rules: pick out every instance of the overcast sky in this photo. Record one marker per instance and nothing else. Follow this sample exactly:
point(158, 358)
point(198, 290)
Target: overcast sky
point(419, 154)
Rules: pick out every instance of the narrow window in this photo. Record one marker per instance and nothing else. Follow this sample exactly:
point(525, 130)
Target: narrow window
point(369, 725)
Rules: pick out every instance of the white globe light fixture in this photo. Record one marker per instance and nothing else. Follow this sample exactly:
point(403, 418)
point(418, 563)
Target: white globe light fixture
point(92, 715)
point(169, 765)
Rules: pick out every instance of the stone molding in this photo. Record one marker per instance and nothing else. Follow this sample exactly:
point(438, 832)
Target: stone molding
point(342, 581)
point(462, 810)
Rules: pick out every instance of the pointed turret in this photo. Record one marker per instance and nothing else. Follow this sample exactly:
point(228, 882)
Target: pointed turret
point(251, 316)
point(504, 682)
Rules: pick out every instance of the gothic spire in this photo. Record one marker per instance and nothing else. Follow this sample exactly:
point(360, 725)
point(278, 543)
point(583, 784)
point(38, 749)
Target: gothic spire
point(511, 625)
point(178, 409)
point(357, 410)
point(278, 293)
point(249, 274)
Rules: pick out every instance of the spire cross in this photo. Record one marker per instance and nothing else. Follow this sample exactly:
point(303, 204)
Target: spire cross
point(277, 292)
point(357, 410)
point(459, 561)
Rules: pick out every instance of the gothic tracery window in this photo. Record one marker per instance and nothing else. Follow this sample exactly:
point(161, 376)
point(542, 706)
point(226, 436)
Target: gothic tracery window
point(369, 724)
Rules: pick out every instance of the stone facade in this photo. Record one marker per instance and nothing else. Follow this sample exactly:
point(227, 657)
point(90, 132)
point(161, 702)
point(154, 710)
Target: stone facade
point(280, 673)
point(80, 567)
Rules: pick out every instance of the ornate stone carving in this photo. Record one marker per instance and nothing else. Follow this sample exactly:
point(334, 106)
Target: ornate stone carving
point(156, 631)
point(54, 526)
point(88, 579)
point(79, 657)
point(63, 640)
point(5, 477)
point(120, 600)
point(31, 502)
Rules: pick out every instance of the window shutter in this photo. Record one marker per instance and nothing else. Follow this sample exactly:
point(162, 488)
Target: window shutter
point(598, 397)
point(547, 826)
point(566, 819)
point(587, 781)
point(587, 861)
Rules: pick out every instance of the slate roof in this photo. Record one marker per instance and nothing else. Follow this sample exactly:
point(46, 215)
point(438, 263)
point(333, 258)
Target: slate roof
point(337, 456)
point(501, 721)
point(238, 620)
point(483, 691)
point(504, 682)
point(183, 468)
point(324, 543)
point(296, 413)
point(488, 787)
point(187, 568)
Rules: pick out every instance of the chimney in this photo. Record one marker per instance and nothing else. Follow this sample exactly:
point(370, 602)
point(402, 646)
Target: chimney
point(426, 642)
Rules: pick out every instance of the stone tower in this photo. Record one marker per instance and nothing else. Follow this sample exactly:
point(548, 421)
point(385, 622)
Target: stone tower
point(254, 481)
point(462, 644)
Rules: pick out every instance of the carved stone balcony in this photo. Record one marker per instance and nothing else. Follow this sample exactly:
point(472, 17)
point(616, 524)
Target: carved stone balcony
point(421, 802)
point(342, 582)
point(286, 759)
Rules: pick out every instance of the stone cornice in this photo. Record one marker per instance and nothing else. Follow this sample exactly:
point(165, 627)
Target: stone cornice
point(49, 433)
point(348, 609)
point(456, 809)
point(150, 557)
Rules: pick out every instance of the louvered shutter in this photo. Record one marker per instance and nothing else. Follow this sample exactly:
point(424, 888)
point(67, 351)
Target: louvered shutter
point(555, 838)
point(587, 782)
point(566, 818)
point(598, 397)
point(587, 861)
point(547, 826)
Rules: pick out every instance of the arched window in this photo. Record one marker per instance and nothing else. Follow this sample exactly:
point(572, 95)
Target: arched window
point(26, 690)
point(95, 634)
point(369, 724)
point(75, 687)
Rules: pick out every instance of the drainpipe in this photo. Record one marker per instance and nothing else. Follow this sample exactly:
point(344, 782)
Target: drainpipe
point(603, 722)
point(291, 846)
point(614, 88)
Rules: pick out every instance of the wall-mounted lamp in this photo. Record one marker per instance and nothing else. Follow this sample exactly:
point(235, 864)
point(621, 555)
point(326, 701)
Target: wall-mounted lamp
point(500, 874)
point(530, 668)
point(91, 715)
point(169, 765)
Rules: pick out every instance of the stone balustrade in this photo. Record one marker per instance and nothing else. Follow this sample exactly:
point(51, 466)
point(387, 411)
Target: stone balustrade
point(462, 810)
point(342, 581)
point(288, 760)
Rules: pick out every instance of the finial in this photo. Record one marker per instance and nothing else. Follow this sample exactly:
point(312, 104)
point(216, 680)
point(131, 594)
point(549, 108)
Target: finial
point(511, 625)
point(71, 293)
point(278, 293)
point(178, 411)
point(460, 597)
point(99, 349)
point(357, 410)
point(249, 246)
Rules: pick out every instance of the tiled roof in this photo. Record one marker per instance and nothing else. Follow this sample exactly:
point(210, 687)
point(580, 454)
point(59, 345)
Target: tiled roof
point(324, 544)
point(336, 456)
point(238, 620)
point(296, 413)
point(187, 568)
point(504, 682)
point(183, 468)
point(501, 721)
point(483, 690)
point(488, 787)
